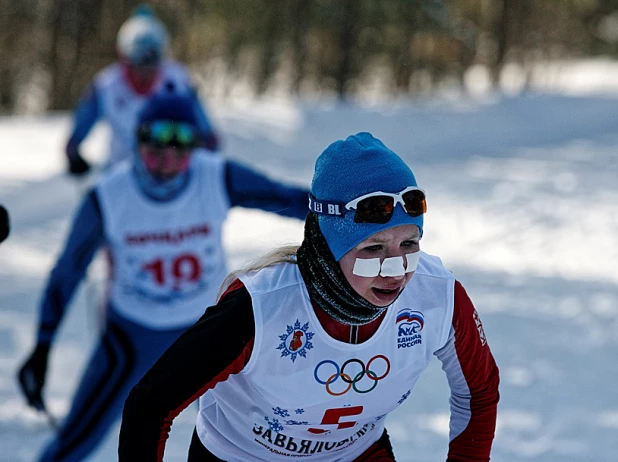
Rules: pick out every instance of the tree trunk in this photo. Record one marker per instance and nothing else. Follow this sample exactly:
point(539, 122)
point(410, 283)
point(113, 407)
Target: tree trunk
point(347, 40)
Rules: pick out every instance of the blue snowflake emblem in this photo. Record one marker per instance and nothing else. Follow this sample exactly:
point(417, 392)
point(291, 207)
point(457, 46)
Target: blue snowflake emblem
point(404, 397)
point(299, 411)
point(274, 425)
point(281, 412)
point(296, 341)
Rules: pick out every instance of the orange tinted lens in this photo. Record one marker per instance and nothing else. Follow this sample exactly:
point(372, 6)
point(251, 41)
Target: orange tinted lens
point(376, 209)
point(415, 203)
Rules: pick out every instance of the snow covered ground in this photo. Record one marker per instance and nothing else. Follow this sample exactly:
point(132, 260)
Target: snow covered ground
point(523, 208)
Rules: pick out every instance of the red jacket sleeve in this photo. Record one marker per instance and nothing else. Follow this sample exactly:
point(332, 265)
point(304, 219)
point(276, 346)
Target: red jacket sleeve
point(473, 379)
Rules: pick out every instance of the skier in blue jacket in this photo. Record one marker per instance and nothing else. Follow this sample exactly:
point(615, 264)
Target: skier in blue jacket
point(160, 217)
point(118, 92)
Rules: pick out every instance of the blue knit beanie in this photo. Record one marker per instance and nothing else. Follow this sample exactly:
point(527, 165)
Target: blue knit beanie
point(351, 168)
point(169, 105)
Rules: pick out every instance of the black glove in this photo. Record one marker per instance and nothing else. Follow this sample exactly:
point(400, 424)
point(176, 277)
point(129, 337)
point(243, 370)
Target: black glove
point(77, 164)
point(32, 377)
point(4, 224)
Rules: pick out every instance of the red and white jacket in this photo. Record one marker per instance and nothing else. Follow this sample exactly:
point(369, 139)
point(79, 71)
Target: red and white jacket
point(279, 386)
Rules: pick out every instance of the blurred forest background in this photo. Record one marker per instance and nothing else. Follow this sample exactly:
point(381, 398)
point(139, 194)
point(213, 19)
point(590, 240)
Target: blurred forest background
point(50, 49)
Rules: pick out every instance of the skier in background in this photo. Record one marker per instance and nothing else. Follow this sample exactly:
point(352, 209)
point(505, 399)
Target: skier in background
point(119, 91)
point(161, 217)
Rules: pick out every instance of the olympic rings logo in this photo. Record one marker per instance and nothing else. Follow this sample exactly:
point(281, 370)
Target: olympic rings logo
point(365, 370)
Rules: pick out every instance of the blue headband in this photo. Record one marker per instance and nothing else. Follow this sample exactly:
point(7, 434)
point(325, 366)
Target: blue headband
point(351, 168)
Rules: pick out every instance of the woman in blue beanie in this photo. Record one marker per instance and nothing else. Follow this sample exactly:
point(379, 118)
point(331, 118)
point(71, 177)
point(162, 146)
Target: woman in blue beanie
point(308, 350)
point(160, 218)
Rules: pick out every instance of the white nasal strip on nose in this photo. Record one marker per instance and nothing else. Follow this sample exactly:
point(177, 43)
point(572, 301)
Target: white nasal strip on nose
point(390, 267)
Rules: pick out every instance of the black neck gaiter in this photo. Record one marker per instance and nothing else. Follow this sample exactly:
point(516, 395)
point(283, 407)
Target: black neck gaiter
point(326, 283)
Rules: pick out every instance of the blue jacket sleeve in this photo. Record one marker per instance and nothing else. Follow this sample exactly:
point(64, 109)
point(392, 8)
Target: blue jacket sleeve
point(85, 238)
point(248, 188)
point(86, 114)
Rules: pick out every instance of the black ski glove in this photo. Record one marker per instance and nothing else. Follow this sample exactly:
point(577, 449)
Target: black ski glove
point(32, 377)
point(78, 166)
point(4, 224)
